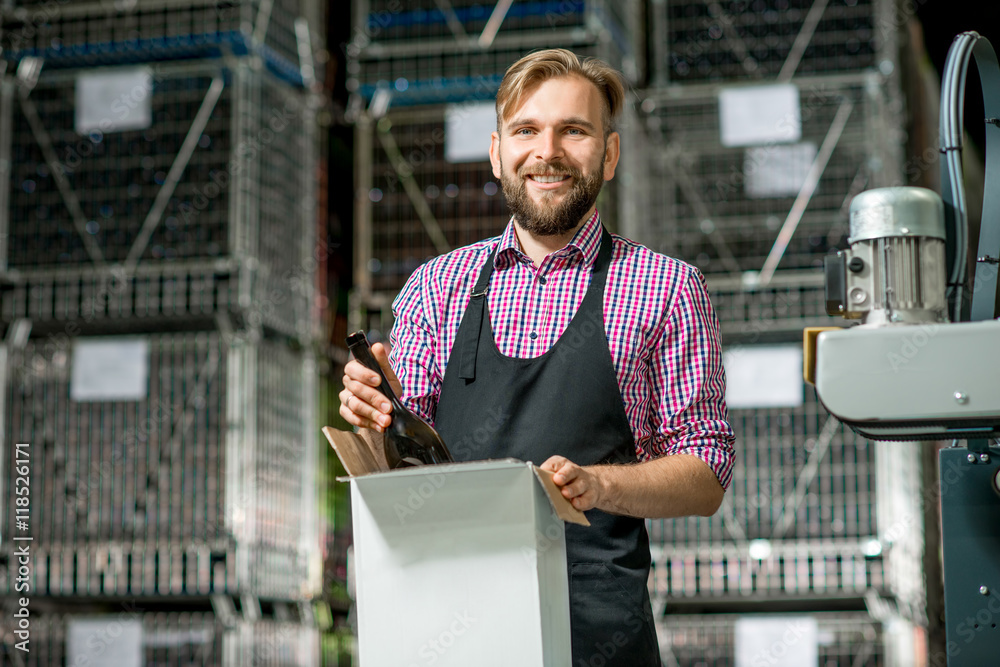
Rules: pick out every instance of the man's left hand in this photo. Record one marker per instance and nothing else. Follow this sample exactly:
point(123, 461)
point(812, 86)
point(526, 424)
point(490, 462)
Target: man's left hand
point(581, 486)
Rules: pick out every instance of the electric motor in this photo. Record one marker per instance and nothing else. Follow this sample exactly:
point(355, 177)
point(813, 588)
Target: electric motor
point(894, 271)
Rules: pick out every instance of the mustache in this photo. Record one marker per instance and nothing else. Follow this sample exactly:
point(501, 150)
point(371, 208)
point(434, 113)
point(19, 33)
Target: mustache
point(549, 169)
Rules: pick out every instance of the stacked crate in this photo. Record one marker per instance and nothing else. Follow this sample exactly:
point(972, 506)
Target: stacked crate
point(413, 66)
point(844, 638)
point(170, 214)
point(170, 639)
point(748, 40)
point(805, 526)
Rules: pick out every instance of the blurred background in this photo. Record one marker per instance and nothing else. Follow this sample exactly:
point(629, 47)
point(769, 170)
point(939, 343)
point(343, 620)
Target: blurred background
point(199, 199)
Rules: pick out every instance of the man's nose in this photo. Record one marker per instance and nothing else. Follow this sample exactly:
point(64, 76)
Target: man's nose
point(549, 146)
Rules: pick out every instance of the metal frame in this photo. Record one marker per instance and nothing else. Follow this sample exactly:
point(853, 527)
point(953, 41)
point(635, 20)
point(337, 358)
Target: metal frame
point(400, 159)
point(178, 639)
point(824, 574)
point(750, 313)
point(459, 62)
point(850, 639)
point(261, 275)
point(733, 46)
point(847, 114)
point(217, 459)
point(90, 32)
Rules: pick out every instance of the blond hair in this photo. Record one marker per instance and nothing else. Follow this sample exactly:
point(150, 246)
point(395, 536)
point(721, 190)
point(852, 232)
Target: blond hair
point(537, 67)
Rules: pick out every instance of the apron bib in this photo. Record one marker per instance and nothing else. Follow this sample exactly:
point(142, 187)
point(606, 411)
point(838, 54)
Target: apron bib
point(566, 402)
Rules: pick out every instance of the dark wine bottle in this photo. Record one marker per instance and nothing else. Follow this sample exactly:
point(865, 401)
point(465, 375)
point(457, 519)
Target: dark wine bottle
point(409, 440)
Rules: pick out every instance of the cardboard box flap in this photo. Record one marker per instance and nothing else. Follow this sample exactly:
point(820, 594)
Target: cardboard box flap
point(353, 451)
point(359, 459)
point(563, 508)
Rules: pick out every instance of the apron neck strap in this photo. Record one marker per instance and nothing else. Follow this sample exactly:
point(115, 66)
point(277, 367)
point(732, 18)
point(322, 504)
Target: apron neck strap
point(476, 310)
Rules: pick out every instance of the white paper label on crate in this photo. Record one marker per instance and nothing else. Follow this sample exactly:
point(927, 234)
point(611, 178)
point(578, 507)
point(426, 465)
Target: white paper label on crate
point(760, 115)
point(777, 641)
point(164, 638)
point(104, 641)
point(109, 369)
point(114, 101)
point(763, 376)
point(467, 129)
point(777, 171)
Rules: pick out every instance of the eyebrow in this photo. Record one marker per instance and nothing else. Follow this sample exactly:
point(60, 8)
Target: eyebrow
point(575, 120)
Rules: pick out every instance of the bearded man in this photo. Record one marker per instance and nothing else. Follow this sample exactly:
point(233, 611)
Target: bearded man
point(562, 343)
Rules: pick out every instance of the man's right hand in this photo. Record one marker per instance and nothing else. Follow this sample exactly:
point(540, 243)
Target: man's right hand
point(361, 403)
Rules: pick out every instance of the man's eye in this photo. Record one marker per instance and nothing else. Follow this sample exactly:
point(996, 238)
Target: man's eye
point(523, 130)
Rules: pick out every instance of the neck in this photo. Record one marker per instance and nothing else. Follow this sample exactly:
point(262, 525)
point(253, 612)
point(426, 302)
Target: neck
point(537, 248)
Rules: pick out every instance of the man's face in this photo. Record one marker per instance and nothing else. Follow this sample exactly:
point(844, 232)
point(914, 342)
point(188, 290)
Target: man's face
point(551, 156)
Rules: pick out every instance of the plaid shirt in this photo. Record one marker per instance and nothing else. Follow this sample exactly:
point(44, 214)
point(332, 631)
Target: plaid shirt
point(661, 328)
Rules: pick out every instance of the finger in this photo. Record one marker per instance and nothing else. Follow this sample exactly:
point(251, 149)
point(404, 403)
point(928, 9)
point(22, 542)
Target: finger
point(577, 488)
point(566, 474)
point(372, 397)
point(354, 419)
point(376, 416)
point(365, 414)
point(356, 371)
point(554, 463)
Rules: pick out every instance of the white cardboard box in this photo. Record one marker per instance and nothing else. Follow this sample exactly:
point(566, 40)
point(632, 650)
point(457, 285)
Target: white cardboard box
point(460, 564)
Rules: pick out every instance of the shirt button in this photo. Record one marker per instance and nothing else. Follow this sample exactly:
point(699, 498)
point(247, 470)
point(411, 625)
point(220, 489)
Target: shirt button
point(542, 280)
point(532, 335)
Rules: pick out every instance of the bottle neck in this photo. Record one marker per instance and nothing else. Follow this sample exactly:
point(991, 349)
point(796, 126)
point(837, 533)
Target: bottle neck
point(388, 392)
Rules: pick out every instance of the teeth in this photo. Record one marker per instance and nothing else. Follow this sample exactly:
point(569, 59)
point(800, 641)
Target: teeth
point(547, 179)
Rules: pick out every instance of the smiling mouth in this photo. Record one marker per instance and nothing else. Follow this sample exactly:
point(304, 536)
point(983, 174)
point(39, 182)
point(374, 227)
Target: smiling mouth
point(548, 178)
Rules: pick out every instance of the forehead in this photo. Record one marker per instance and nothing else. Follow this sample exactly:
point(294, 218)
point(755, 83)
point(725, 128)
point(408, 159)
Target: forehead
point(559, 97)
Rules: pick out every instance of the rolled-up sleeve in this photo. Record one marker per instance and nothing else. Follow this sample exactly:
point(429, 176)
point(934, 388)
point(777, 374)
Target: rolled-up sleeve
point(413, 346)
point(689, 384)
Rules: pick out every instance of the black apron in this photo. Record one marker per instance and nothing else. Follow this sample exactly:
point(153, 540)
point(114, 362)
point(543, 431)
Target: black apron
point(565, 402)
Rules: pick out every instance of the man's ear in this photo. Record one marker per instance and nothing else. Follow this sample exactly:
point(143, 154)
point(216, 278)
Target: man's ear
point(611, 154)
point(495, 153)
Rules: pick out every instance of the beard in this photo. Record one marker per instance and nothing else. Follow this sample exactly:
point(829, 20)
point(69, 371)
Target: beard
point(547, 218)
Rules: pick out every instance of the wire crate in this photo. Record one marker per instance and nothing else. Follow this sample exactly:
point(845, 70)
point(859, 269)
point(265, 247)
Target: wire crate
point(711, 204)
point(414, 204)
point(203, 482)
point(800, 474)
point(846, 639)
point(789, 570)
point(421, 54)
point(390, 21)
point(457, 75)
point(74, 33)
point(791, 301)
point(208, 207)
point(170, 639)
point(696, 41)
point(460, 202)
